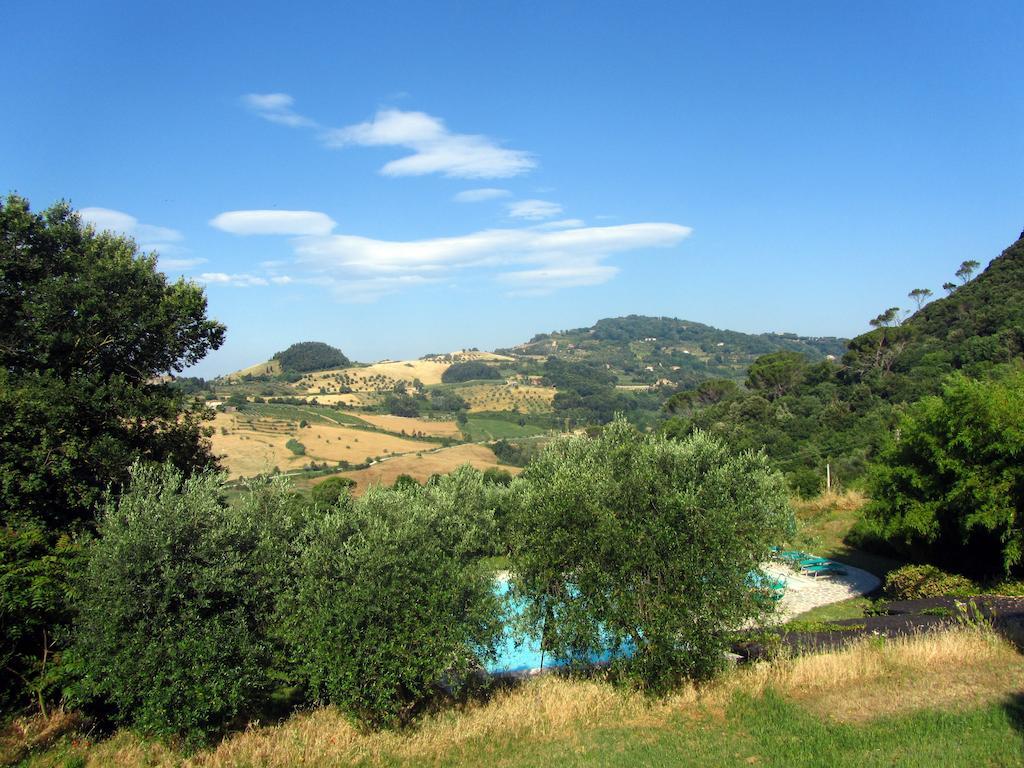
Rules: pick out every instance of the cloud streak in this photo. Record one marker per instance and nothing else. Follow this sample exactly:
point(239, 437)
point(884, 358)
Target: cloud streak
point(273, 222)
point(530, 261)
point(277, 108)
point(533, 210)
point(433, 147)
point(149, 236)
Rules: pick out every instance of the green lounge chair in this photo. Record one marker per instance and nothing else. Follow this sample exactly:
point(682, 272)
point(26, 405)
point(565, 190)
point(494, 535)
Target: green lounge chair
point(827, 569)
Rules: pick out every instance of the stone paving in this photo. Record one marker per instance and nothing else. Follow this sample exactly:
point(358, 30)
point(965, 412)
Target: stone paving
point(806, 592)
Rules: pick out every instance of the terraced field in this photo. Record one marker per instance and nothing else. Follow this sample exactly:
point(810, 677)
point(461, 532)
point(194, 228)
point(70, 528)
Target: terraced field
point(501, 396)
point(424, 464)
point(251, 445)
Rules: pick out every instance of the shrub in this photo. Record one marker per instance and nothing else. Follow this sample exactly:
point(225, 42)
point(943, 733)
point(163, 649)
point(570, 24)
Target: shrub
point(295, 447)
point(178, 604)
point(405, 481)
point(330, 490)
point(632, 541)
point(496, 476)
point(389, 606)
point(912, 582)
point(949, 486)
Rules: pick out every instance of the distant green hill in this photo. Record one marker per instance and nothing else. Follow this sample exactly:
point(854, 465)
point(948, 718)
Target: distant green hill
point(644, 350)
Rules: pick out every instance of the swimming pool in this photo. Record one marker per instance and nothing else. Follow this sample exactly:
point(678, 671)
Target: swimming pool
point(525, 656)
point(518, 655)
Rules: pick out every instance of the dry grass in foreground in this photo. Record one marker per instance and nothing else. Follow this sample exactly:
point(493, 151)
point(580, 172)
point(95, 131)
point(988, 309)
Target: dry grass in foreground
point(955, 672)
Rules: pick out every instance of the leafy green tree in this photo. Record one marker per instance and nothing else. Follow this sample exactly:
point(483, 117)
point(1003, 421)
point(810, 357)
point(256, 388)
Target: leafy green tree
point(966, 270)
point(776, 374)
point(920, 296)
point(88, 330)
point(629, 541)
point(86, 324)
point(405, 481)
point(949, 486)
point(328, 492)
point(179, 603)
point(389, 605)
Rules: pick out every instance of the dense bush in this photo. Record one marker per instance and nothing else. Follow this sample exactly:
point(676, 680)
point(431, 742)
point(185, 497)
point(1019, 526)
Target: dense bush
point(470, 370)
point(389, 605)
point(311, 356)
point(175, 633)
point(912, 582)
point(36, 575)
point(631, 540)
point(328, 492)
point(400, 404)
point(949, 486)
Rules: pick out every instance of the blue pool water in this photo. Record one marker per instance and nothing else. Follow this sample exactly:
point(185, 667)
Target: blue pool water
point(522, 654)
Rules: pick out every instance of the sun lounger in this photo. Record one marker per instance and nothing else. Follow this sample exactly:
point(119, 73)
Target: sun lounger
point(823, 569)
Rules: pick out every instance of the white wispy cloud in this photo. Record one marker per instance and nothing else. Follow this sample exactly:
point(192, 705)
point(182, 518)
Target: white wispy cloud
point(533, 210)
point(561, 224)
point(150, 237)
point(435, 149)
point(533, 260)
point(480, 195)
point(277, 108)
point(546, 280)
point(273, 222)
point(180, 264)
point(236, 280)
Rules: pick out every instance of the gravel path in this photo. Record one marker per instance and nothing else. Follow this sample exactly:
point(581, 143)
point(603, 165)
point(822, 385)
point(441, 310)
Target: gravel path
point(806, 592)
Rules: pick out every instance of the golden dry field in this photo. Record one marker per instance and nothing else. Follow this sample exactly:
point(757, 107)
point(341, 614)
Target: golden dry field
point(412, 426)
point(268, 368)
point(379, 377)
point(251, 445)
point(421, 466)
point(501, 396)
point(869, 704)
point(355, 399)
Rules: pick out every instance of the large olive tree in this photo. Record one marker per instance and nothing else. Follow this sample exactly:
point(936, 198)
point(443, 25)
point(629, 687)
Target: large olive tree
point(633, 545)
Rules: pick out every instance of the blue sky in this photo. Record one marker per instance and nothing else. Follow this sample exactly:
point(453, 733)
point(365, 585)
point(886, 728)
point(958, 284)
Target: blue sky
point(790, 166)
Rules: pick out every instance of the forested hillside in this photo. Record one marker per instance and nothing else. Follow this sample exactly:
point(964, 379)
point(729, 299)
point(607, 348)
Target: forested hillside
point(648, 349)
point(809, 413)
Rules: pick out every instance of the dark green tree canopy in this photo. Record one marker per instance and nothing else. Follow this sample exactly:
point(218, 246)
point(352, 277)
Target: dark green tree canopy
point(76, 302)
point(949, 485)
point(469, 371)
point(311, 356)
point(86, 323)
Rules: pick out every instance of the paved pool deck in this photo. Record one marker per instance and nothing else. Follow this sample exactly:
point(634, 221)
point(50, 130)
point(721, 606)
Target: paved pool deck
point(806, 592)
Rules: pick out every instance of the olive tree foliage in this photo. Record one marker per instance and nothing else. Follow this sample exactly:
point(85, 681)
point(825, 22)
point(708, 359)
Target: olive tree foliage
point(390, 604)
point(632, 542)
point(948, 487)
point(178, 605)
